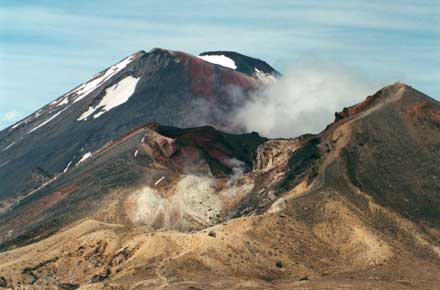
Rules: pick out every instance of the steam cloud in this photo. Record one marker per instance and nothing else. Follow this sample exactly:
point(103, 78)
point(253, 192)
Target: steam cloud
point(304, 100)
point(238, 168)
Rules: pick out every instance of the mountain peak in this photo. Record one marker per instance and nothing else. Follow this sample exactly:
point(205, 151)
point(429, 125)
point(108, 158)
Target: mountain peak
point(139, 52)
point(240, 62)
point(159, 50)
point(385, 95)
point(247, 65)
point(130, 169)
point(396, 85)
point(170, 87)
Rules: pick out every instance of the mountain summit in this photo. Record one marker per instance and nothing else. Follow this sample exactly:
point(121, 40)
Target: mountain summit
point(242, 63)
point(169, 87)
point(128, 182)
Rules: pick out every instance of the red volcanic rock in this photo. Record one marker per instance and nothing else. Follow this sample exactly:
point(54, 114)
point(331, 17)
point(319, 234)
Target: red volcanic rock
point(202, 75)
point(230, 77)
point(356, 109)
point(425, 112)
point(170, 87)
point(220, 150)
point(211, 82)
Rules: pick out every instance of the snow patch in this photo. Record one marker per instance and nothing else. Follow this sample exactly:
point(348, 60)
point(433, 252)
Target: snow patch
point(266, 78)
point(90, 111)
point(9, 146)
point(220, 60)
point(15, 126)
point(136, 153)
point(63, 102)
point(28, 120)
point(84, 157)
point(85, 89)
point(37, 114)
point(115, 95)
point(67, 167)
point(159, 181)
point(47, 121)
point(25, 121)
point(98, 114)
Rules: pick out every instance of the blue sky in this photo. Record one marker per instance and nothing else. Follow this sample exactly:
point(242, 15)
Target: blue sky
point(48, 47)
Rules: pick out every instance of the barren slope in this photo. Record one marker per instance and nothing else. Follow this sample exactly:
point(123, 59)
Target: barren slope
point(170, 87)
point(355, 207)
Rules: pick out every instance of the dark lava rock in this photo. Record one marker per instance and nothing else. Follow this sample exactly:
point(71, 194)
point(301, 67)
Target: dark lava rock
point(3, 282)
point(197, 87)
point(245, 64)
point(279, 264)
point(68, 286)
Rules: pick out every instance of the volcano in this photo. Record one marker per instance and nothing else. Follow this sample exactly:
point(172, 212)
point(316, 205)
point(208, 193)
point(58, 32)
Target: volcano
point(168, 87)
point(139, 179)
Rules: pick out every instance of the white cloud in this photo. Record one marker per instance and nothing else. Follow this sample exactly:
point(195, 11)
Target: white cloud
point(9, 116)
point(61, 45)
point(305, 99)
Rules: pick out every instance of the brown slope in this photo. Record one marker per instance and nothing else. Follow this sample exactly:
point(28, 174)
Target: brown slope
point(138, 159)
point(375, 197)
point(334, 207)
point(390, 149)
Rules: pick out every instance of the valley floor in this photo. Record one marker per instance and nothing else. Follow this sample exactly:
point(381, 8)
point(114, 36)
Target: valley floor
point(271, 251)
